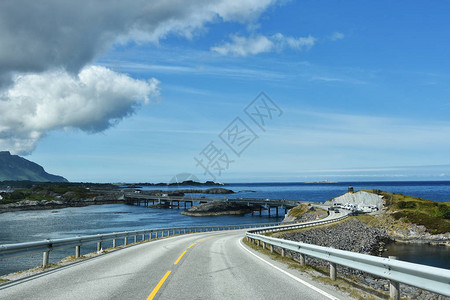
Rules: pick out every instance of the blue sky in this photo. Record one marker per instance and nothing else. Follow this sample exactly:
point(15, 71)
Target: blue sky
point(363, 87)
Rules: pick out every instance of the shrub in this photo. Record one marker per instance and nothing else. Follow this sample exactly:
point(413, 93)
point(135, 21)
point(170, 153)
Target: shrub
point(406, 204)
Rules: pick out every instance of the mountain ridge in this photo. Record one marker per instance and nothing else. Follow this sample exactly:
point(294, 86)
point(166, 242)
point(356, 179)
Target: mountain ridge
point(14, 167)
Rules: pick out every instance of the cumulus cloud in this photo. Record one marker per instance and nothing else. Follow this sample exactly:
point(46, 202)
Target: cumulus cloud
point(92, 101)
point(47, 47)
point(244, 46)
point(39, 35)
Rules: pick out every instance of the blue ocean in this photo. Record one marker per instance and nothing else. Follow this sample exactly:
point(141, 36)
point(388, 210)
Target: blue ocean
point(23, 226)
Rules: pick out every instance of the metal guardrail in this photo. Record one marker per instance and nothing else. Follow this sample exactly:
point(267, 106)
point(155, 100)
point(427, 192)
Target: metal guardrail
point(425, 277)
point(46, 246)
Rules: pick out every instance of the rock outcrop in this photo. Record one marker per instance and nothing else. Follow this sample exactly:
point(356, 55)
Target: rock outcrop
point(303, 213)
point(217, 208)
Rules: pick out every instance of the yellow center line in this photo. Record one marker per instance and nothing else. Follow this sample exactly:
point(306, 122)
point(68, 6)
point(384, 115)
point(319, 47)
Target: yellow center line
point(156, 289)
point(176, 262)
point(192, 245)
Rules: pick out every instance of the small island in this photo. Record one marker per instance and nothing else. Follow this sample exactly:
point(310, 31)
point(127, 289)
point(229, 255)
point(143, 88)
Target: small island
point(217, 208)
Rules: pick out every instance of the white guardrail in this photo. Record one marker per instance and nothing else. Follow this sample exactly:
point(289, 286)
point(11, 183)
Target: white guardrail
point(425, 277)
point(46, 246)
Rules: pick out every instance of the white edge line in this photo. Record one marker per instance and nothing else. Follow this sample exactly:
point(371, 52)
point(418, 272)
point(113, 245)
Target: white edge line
point(290, 275)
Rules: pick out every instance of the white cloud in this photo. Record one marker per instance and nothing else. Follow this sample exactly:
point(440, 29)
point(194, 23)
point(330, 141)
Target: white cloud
point(39, 37)
point(244, 46)
point(301, 43)
point(337, 36)
point(92, 101)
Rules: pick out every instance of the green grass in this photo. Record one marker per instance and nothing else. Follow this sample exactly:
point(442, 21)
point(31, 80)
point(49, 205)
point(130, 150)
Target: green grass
point(298, 210)
point(435, 216)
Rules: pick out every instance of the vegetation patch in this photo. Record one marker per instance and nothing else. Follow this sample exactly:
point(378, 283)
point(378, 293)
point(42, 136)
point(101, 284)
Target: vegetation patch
point(432, 224)
point(434, 216)
point(298, 210)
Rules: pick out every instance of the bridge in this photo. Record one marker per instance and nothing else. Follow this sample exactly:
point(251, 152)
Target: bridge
point(257, 204)
point(208, 262)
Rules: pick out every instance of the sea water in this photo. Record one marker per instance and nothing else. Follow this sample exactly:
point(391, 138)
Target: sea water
point(26, 226)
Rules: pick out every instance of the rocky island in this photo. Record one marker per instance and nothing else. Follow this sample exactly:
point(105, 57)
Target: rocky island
point(217, 208)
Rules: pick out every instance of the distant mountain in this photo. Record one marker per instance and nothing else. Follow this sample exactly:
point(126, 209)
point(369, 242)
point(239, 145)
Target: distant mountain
point(14, 167)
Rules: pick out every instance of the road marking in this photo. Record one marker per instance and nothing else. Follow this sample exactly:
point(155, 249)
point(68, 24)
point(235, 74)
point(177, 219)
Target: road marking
point(176, 262)
point(192, 245)
point(290, 275)
point(156, 289)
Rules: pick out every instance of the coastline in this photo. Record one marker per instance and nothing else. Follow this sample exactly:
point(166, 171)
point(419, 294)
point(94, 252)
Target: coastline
point(28, 205)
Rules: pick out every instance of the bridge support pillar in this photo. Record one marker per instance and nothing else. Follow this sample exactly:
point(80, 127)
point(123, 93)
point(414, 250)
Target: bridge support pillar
point(332, 271)
point(77, 251)
point(45, 259)
point(283, 252)
point(114, 243)
point(302, 259)
point(394, 286)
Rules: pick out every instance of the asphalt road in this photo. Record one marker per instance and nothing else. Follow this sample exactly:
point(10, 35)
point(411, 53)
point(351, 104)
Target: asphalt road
point(195, 266)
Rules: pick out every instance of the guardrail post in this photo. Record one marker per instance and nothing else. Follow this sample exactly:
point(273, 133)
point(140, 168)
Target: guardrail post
point(332, 271)
point(114, 243)
point(283, 252)
point(271, 248)
point(99, 246)
point(394, 286)
point(263, 245)
point(45, 258)
point(302, 259)
point(143, 236)
point(77, 251)
point(126, 240)
point(168, 232)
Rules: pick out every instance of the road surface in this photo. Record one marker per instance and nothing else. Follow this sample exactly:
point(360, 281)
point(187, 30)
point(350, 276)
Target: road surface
point(213, 265)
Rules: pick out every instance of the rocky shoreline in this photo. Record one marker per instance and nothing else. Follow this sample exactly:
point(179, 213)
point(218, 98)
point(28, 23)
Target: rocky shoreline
point(66, 201)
